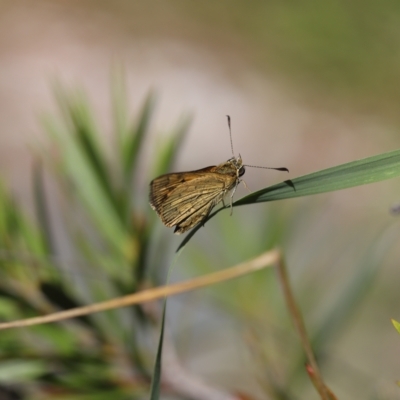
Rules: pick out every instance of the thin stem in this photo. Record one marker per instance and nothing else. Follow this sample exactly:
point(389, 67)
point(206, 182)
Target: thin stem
point(265, 260)
point(298, 321)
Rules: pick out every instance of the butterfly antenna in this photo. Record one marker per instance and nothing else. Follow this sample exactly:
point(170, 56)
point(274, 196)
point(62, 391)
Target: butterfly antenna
point(230, 133)
point(276, 169)
point(251, 166)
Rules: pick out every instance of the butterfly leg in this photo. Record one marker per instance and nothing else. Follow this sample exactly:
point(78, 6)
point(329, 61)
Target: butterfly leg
point(233, 192)
point(245, 185)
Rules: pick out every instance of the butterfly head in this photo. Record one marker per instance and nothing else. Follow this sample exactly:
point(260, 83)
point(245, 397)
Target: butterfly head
point(238, 164)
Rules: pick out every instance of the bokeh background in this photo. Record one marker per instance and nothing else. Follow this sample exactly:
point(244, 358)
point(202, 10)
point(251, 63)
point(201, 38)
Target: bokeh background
point(308, 85)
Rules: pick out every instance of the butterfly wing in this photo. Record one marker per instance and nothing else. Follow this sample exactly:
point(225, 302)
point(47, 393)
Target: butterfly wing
point(185, 199)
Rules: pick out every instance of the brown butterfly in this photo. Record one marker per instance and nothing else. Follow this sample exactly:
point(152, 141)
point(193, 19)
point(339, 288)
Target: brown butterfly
point(185, 199)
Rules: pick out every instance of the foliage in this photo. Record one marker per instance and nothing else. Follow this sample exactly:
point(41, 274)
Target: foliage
point(111, 234)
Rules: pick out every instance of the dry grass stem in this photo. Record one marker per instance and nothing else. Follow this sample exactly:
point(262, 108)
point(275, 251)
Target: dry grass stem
point(265, 260)
point(294, 311)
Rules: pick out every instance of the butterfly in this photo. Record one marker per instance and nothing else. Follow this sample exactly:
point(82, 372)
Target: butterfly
point(185, 199)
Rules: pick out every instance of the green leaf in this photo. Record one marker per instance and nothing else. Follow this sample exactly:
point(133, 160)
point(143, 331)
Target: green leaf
point(187, 238)
point(355, 173)
point(16, 232)
point(169, 152)
point(77, 168)
point(20, 371)
point(156, 378)
point(87, 136)
point(396, 325)
point(156, 381)
point(42, 208)
point(133, 143)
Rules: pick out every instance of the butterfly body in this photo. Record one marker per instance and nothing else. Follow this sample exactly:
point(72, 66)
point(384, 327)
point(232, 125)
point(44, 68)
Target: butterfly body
point(185, 199)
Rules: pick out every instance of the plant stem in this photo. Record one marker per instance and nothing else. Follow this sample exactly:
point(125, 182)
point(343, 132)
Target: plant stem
point(298, 321)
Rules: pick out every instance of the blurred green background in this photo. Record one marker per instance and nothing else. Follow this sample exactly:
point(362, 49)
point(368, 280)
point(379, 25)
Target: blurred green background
point(308, 85)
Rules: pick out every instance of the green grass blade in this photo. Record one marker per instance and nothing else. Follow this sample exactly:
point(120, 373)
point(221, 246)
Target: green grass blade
point(42, 209)
point(169, 152)
point(81, 126)
point(133, 143)
point(16, 232)
point(355, 173)
point(156, 380)
point(75, 165)
point(192, 232)
point(86, 136)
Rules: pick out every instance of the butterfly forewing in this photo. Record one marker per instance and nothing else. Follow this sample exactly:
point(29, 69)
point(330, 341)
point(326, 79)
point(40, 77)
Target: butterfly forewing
point(185, 199)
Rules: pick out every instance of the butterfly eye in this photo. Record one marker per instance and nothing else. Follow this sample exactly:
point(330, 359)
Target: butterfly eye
point(242, 170)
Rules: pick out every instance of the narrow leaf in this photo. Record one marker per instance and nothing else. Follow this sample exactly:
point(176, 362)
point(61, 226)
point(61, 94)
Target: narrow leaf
point(355, 173)
point(168, 155)
point(80, 125)
point(42, 209)
point(156, 380)
point(86, 185)
point(133, 143)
